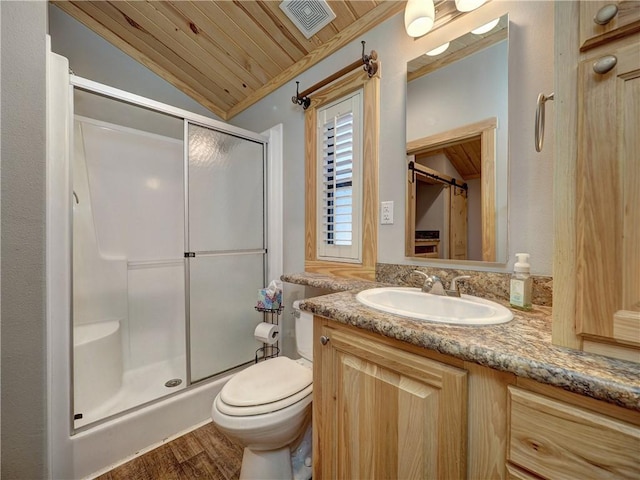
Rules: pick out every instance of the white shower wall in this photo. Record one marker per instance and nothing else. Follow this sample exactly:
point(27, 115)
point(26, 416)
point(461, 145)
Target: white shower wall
point(133, 224)
point(156, 314)
point(100, 282)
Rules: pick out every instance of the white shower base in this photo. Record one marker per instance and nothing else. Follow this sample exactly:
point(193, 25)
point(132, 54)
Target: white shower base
point(96, 450)
point(139, 386)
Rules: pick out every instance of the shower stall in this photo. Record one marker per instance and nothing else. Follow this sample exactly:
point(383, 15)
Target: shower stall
point(168, 253)
point(167, 247)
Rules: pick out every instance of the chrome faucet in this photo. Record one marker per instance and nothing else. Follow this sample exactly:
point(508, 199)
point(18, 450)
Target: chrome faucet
point(454, 289)
point(433, 285)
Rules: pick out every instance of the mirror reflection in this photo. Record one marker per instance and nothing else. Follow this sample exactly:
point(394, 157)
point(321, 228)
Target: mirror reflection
point(457, 148)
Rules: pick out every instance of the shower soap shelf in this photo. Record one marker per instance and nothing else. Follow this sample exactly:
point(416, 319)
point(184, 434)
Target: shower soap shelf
point(271, 315)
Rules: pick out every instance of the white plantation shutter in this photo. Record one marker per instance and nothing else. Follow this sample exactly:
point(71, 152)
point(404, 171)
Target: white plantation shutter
point(340, 180)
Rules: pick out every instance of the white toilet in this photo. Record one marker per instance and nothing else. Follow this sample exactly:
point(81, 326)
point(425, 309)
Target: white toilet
point(267, 407)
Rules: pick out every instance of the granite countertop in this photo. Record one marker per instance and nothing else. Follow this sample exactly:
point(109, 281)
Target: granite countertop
point(522, 346)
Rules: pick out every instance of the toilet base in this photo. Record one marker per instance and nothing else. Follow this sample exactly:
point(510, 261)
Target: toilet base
point(266, 464)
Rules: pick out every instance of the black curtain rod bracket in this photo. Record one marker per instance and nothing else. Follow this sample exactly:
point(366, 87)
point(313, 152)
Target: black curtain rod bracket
point(370, 61)
point(300, 100)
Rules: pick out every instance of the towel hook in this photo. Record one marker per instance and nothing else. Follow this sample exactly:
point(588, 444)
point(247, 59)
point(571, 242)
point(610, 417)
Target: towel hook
point(540, 114)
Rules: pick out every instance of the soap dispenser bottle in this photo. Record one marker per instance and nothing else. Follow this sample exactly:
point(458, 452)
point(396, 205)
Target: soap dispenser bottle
point(521, 283)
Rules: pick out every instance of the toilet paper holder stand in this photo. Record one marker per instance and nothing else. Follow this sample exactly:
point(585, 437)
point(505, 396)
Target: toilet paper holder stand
point(269, 351)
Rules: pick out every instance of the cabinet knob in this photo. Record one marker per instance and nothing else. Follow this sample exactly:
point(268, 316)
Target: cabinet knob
point(606, 14)
point(324, 340)
point(605, 64)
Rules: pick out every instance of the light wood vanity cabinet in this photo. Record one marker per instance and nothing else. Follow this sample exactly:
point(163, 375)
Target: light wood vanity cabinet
point(384, 409)
point(382, 413)
point(553, 439)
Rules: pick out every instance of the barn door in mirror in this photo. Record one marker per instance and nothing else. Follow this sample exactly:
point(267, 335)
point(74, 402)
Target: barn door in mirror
point(457, 148)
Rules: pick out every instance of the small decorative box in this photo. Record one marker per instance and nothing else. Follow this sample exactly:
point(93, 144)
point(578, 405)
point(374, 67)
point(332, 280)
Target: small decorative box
point(269, 301)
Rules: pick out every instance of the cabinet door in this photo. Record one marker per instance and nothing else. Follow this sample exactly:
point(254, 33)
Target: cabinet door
point(386, 413)
point(608, 190)
point(625, 22)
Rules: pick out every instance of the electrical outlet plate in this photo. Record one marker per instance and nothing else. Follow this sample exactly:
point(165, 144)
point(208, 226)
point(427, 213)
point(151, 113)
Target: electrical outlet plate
point(386, 213)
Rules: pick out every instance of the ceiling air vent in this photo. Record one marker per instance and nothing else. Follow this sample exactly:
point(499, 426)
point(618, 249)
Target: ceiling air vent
point(308, 15)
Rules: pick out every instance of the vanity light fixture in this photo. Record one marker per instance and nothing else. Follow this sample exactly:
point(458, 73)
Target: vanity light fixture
point(438, 50)
point(419, 16)
point(468, 5)
point(487, 27)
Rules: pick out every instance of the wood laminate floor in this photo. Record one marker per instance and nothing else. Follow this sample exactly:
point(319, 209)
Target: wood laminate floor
point(202, 453)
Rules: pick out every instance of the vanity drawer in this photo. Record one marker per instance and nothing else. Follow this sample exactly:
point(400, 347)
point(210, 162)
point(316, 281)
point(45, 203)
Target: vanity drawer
point(556, 440)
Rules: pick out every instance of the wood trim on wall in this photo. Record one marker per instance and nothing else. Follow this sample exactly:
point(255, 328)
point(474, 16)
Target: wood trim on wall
point(449, 137)
point(564, 184)
point(488, 194)
point(371, 129)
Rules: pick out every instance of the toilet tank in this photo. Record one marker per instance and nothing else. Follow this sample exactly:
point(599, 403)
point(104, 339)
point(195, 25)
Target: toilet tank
point(304, 331)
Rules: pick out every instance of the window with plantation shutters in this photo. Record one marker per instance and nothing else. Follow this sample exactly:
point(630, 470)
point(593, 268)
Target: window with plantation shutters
point(340, 180)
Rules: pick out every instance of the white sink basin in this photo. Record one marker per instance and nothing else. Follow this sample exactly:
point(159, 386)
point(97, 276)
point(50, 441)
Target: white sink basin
point(414, 303)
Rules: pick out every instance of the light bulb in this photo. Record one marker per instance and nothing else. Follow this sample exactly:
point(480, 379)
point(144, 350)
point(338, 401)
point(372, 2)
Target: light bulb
point(468, 5)
point(487, 27)
point(419, 16)
point(438, 50)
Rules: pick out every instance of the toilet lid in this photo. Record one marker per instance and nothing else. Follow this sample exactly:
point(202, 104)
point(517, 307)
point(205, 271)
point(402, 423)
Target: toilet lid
point(266, 382)
point(302, 398)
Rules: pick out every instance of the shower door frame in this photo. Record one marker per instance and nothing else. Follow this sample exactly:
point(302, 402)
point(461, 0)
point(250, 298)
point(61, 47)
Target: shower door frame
point(270, 238)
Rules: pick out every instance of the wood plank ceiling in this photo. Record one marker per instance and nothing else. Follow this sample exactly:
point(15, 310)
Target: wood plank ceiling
point(465, 156)
point(227, 55)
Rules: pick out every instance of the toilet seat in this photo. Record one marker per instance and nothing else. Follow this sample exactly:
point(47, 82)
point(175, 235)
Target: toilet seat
point(266, 387)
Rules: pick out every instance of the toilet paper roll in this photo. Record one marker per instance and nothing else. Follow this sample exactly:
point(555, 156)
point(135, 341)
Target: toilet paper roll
point(267, 333)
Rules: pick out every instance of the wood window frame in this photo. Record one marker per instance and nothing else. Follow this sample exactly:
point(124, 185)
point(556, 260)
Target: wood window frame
point(370, 140)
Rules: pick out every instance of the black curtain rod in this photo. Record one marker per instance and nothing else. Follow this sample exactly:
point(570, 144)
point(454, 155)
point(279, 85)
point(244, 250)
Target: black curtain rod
point(451, 182)
point(370, 63)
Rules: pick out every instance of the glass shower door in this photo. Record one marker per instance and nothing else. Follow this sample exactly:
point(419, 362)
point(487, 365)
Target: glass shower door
point(226, 245)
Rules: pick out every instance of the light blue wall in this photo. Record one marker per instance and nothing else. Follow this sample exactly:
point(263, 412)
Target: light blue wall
point(24, 355)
